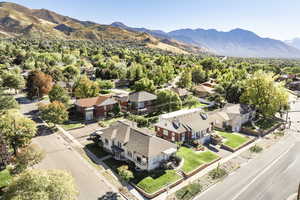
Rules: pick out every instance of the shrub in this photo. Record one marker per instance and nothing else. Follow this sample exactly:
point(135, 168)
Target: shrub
point(125, 173)
point(218, 173)
point(256, 149)
point(188, 192)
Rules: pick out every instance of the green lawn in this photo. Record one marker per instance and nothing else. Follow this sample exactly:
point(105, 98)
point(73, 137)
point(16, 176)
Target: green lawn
point(97, 150)
point(195, 106)
point(71, 126)
point(152, 184)
point(5, 178)
point(233, 140)
point(193, 159)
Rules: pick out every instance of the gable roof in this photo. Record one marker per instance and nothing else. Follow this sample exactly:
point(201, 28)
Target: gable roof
point(141, 96)
point(203, 88)
point(95, 101)
point(141, 141)
point(188, 121)
point(181, 91)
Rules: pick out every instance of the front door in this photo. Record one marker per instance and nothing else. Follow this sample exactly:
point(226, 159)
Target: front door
point(89, 115)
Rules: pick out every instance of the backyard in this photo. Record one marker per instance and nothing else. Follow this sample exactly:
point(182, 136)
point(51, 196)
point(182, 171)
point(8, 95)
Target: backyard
point(150, 182)
point(233, 140)
point(193, 159)
point(5, 178)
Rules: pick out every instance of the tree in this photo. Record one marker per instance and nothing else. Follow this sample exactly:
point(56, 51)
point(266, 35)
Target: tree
point(42, 185)
point(28, 157)
point(267, 96)
point(198, 75)
point(105, 84)
point(191, 101)
point(38, 84)
point(116, 109)
point(17, 129)
point(55, 112)
point(58, 93)
point(168, 100)
point(13, 80)
point(125, 173)
point(144, 84)
point(185, 80)
point(85, 88)
point(71, 72)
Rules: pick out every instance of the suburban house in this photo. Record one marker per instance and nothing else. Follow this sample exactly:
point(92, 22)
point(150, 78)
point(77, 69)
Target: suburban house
point(95, 107)
point(210, 83)
point(141, 102)
point(232, 116)
point(203, 91)
point(182, 92)
point(128, 142)
point(185, 126)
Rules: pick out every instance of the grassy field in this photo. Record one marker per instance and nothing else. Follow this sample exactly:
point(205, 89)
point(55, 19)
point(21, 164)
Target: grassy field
point(71, 126)
point(5, 178)
point(151, 184)
point(193, 160)
point(233, 140)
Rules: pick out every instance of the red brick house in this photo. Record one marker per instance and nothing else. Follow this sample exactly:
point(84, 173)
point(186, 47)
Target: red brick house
point(185, 126)
point(95, 107)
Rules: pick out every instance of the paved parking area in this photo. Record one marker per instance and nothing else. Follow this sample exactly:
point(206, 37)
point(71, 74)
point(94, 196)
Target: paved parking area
point(82, 134)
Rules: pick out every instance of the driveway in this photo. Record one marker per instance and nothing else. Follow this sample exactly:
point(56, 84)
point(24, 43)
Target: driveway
point(82, 134)
point(60, 155)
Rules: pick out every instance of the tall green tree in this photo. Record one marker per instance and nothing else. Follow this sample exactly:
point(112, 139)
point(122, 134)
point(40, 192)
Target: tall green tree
point(185, 80)
point(58, 93)
point(168, 100)
point(267, 96)
point(144, 84)
point(85, 88)
point(13, 80)
point(17, 129)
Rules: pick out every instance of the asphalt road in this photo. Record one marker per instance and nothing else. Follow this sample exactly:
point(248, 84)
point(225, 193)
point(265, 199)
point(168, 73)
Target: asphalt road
point(273, 175)
point(60, 155)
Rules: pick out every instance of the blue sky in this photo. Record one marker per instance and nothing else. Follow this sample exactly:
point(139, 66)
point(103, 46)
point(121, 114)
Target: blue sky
point(277, 19)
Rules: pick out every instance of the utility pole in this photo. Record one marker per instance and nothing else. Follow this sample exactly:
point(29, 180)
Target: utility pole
point(298, 197)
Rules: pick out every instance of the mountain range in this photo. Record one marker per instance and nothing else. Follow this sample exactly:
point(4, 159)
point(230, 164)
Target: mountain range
point(237, 42)
point(19, 21)
point(294, 42)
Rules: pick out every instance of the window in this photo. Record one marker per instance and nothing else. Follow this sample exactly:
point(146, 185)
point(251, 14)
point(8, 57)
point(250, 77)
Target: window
point(141, 105)
point(166, 132)
point(129, 154)
point(106, 141)
point(138, 159)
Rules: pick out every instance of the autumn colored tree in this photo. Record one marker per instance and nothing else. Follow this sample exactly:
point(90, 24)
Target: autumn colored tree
point(38, 84)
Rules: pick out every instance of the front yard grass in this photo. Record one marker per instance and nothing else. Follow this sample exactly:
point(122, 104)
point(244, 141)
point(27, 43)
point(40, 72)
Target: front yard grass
point(193, 159)
point(71, 126)
point(5, 178)
point(150, 182)
point(233, 140)
point(107, 122)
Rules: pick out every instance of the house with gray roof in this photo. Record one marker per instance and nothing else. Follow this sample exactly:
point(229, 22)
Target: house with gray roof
point(232, 116)
point(141, 102)
point(128, 142)
point(185, 126)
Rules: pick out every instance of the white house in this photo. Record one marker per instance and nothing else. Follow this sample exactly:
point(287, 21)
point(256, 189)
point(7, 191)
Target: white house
point(128, 142)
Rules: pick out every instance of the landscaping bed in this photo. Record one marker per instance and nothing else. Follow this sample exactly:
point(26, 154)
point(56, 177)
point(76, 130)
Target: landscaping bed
point(5, 178)
point(194, 160)
point(96, 150)
point(266, 124)
point(71, 126)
